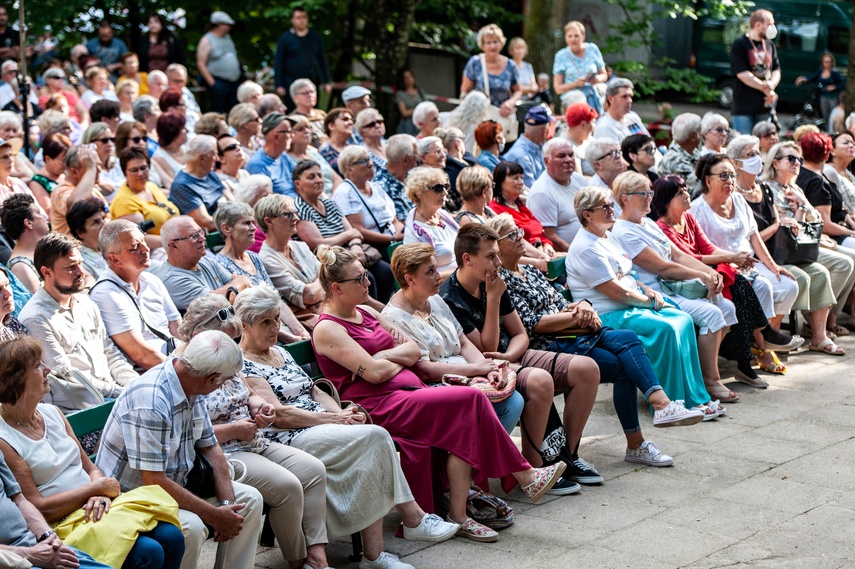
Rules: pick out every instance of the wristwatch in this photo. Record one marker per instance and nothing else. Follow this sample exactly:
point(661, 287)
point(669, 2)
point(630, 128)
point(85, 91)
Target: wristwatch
point(226, 503)
point(45, 535)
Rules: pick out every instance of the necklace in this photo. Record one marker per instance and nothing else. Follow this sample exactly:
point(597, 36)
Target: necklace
point(270, 357)
point(746, 190)
point(24, 425)
point(433, 220)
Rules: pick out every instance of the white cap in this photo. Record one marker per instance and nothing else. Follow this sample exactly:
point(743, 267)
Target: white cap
point(219, 17)
point(354, 92)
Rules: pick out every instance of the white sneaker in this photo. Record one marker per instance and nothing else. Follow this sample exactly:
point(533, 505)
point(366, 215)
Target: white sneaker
point(648, 453)
point(384, 561)
point(676, 415)
point(432, 529)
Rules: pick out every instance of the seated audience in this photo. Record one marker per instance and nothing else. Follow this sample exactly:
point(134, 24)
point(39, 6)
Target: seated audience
point(138, 199)
point(476, 191)
point(230, 165)
point(25, 223)
point(249, 191)
point(619, 120)
point(551, 196)
point(767, 133)
point(838, 222)
point(68, 323)
point(429, 222)
point(301, 149)
point(714, 129)
point(136, 308)
point(338, 127)
point(8, 183)
point(527, 150)
point(170, 397)
point(212, 124)
point(271, 159)
point(245, 121)
point(605, 158)
point(357, 351)
point(170, 155)
point(304, 93)
point(372, 128)
point(85, 219)
point(491, 141)
point(54, 150)
point(581, 120)
point(456, 159)
point(639, 151)
point(10, 326)
point(508, 186)
point(108, 112)
point(426, 118)
point(197, 189)
point(101, 137)
point(472, 111)
point(66, 487)
point(147, 112)
point(401, 157)
point(682, 155)
point(135, 135)
point(431, 152)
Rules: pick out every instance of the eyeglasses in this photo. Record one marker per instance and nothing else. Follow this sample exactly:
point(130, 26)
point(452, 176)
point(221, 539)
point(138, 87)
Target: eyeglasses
point(362, 162)
point(372, 124)
point(647, 194)
point(229, 148)
point(361, 279)
point(139, 170)
point(137, 139)
point(440, 188)
point(723, 176)
point(195, 236)
point(288, 215)
point(168, 209)
point(649, 150)
point(106, 140)
point(792, 158)
point(607, 207)
point(613, 154)
point(513, 235)
point(720, 130)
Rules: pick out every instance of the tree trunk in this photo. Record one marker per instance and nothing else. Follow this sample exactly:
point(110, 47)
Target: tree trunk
point(387, 38)
point(850, 72)
point(542, 21)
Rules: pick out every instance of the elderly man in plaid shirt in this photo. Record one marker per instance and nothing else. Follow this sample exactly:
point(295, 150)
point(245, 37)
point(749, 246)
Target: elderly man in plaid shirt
point(153, 433)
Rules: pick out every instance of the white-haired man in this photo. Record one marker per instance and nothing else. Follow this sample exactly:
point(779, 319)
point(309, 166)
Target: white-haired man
point(197, 188)
point(154, 433)
point(619, 120)
point(401, 157)
point(682, 155)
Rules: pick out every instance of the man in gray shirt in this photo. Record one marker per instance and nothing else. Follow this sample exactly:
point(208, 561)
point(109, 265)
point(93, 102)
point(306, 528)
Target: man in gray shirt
point(187, 273)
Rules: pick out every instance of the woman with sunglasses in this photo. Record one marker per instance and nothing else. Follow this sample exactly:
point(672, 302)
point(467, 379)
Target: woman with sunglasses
point(230, 166)
point(654, 257)
point(339, 128)
point(444, 433)
point(726, 218)
point(134, 133)
point(598, 269)
point(429, 222)
point(639, 151)
point(139, 199)
point(372, 128)
point(714, 129)
point(618, 353)
point(111, 175)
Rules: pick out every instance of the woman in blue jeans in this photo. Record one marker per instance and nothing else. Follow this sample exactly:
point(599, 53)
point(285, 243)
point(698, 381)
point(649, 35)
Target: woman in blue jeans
point(548, 318)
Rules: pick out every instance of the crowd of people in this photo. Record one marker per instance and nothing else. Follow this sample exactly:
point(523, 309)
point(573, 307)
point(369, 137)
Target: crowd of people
point(164, 258)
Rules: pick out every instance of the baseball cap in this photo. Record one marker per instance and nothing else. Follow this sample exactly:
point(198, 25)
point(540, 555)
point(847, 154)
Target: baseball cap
point(538, 115)
point(354, 92)
point(271, 121)
point(219, 17)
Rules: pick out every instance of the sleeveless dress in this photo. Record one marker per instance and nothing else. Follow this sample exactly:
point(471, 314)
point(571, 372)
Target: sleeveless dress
point(427, 422)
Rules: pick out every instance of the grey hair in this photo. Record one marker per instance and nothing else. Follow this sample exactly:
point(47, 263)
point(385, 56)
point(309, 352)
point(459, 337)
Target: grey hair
point(712, 120)
point(738, 145)
point(170, 229)
point(173, 67)
point(400, 146)
point(144, 106)
point(229, 213)
point(72, 160)
point(247, 89)
point(212, 353)
point(108, 239)
point(501, 223)
point(768, 172)
point(255, 302)
point(349, 156)
point(299, 84)
point(268, 103)
point(8, 118)
point(553, 143)
point(764, 128)
point(684, 126)
point(587, 198)
point(154, 75)
point(95, 130)
point(270, 206)
point(52, 122)
point(201, 315)
point(241, 114)
point(448, 136)
point(421, 111)
point(248, 190)
point(472, 111)
point(201, 144)
point(425, 143)
point(597, 147)
point(615, 85)
point(365, 117)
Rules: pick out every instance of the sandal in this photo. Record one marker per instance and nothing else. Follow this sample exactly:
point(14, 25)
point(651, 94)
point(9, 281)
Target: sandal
point(717, 407)
point(722, 393)
point(827, 347)
point(476, 532)
point(777, 367)
point(838, 331)
point(741, 377)
point(544, 479)
point(709, 412)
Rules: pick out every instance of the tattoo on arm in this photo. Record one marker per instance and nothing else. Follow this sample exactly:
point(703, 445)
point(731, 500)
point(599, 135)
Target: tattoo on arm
point(360, 370)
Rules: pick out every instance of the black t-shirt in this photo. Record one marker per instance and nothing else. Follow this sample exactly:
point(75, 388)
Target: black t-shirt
point(764, 212)
point(471, 312)
point(761, 59)
point(820, 191)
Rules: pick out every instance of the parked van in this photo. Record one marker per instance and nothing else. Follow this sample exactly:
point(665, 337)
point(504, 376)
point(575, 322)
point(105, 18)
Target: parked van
point(806, 30)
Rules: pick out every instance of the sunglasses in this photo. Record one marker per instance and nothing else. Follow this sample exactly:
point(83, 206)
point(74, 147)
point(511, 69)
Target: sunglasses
point(607, 207)
point(792, 158)
point(229, 148)
point(137, 139)
point(195, 236)
point(440, 188)
point(223, 314)
point(513, 235)
point(372, 124)
point(613, 154)
point(106, 140)
point(168, 209)
point(361, 279)
point(649, 150)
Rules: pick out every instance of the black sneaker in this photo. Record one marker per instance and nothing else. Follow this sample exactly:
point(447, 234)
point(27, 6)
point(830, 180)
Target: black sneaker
point(583, 472)
point(564, 487)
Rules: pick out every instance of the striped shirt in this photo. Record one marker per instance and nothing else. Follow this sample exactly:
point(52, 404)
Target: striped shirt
point(330, 224)
point(154, 427)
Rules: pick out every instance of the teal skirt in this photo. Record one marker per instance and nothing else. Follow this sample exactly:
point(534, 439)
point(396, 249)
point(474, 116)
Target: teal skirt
point(668, 337)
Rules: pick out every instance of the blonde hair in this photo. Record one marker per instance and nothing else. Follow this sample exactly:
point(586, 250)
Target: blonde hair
point(587, 198)
point(575, 24)
point(420, 179)
point(472, 181)
point(334, 260)
point(407, 259)
point(501, 224)
point(488, 31)
point(803, 130)
point(629, 181)
point(127, 83)
point(515, 43)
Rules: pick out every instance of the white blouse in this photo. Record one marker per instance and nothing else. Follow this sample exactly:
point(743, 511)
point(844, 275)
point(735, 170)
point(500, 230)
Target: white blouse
point(732, 234)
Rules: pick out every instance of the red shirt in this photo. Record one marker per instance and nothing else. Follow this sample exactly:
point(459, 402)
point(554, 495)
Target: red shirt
point(525, 220)
point(694, 241)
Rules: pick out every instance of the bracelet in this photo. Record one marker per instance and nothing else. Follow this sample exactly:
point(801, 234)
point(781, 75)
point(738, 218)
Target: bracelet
point(354, 242)
point(45, 535)
point(231, 290)
point(226, 503)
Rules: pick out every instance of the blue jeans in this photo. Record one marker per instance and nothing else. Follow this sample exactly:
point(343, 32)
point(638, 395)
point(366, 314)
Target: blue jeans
point(510, 410)
point(161, 548)
point(622, 361)
point(744, 123)
point(86, 562)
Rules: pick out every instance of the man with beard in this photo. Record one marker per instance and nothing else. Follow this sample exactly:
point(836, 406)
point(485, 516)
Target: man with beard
point(9, 38)
point(754, 63)
point(68, 323)
point(107, 48)
point(138, 313)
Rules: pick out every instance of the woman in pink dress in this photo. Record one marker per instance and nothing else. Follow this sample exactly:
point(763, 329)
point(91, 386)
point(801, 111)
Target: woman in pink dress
point(454, 429)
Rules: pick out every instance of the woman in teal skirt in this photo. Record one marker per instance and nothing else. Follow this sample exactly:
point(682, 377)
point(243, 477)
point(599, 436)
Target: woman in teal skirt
point(600, 271)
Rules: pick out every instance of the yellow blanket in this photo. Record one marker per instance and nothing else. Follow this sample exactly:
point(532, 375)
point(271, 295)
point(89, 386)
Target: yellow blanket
point(111, 539)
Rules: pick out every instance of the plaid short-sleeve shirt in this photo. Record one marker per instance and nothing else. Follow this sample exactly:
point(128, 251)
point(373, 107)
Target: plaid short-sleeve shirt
point(154, 427)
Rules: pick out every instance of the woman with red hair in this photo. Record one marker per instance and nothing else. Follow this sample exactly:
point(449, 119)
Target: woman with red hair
point(581, 119)
point(491, 141)
point(172, 134)
point(822, 194)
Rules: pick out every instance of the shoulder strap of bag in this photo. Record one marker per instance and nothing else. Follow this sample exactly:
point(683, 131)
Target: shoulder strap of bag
point(154, 331)
point(485, 74)
point(368, 209)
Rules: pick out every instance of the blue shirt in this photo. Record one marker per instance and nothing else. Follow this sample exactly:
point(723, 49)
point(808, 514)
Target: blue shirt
point(108, 54)
point(487, 160)
point(574, 68)
point(500, 85)
point(277, 169)
point(528, 155)
point(190, 193)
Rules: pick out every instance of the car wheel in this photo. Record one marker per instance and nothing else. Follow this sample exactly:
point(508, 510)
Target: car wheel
point(725, 96)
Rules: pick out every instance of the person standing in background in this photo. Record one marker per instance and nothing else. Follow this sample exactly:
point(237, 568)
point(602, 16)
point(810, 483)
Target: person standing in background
point(217, 60)
point(300, 53)
point(754, 63)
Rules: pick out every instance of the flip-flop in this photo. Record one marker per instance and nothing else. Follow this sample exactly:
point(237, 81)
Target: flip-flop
point(827, 347)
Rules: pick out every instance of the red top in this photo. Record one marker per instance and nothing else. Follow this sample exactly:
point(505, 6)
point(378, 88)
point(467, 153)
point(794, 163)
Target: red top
point(525, 220)
point(72, 103)
point(694, 241)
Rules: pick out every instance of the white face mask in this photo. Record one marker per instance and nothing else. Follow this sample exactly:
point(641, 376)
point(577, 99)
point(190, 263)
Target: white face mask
point(753, 165)
point(501, 147)
point(771, 32)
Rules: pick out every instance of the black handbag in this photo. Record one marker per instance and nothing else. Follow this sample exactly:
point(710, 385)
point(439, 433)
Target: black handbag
point(789, 249)
point(200, 479)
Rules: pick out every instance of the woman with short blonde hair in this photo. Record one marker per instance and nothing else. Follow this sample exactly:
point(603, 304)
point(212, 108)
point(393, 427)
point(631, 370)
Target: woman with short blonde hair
point(501, 73)
point(429, 222)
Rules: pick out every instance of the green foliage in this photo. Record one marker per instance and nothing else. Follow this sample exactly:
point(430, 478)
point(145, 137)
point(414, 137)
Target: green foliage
point(667, 79)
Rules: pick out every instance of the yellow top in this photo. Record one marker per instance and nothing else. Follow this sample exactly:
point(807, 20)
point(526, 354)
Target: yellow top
point(127, 202)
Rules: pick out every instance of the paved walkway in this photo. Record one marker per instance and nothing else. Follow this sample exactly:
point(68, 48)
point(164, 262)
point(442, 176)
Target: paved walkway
point(768, 485)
